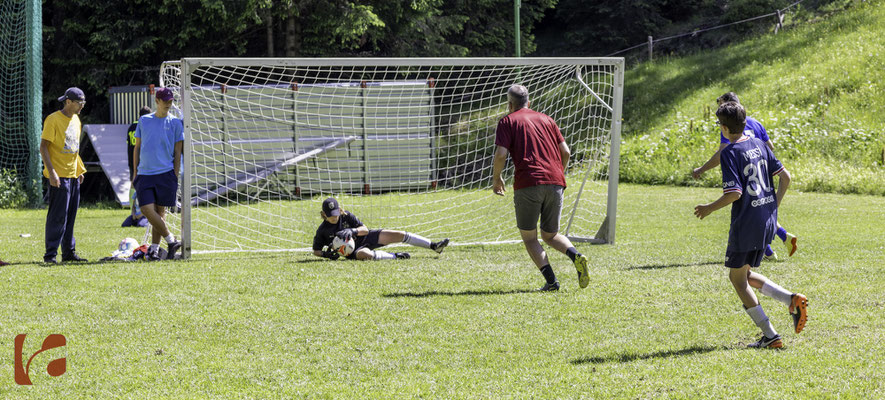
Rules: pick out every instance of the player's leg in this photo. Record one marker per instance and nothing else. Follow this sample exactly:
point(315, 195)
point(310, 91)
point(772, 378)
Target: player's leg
point(365, 253)
point(56, 219)
point(796, 302)
point(539, 257)
point(551, 208)
point(788, 239)
point(388, 237)
point(68, 242)
point(527, 206)
point(167, 191)
point(738, 274)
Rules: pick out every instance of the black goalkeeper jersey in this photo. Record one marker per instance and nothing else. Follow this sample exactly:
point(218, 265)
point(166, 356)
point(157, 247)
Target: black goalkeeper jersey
point(326, 231)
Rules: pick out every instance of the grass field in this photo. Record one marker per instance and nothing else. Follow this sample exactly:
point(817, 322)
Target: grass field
point(659, 319)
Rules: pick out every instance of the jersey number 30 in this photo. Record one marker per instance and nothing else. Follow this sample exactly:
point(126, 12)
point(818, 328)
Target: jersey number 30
point(756, 176)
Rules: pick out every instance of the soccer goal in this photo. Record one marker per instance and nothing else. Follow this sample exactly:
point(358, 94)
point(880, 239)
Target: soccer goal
point(404, 143)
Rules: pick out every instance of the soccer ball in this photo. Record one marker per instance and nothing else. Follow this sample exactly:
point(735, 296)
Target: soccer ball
point(342, 247)
point(126, 247)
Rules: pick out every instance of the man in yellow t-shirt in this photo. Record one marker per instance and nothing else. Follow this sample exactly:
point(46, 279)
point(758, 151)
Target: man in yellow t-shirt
point(60, 150)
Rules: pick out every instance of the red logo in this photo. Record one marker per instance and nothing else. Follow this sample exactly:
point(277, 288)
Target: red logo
point(56, 367)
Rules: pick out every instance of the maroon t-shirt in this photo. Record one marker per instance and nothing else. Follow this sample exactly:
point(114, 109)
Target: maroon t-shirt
point(533, 141)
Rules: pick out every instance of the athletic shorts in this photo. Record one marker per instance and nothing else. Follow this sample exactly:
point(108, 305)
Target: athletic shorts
point(544, 201)
point(160, 189)
point(369, 241)
point(737, 259)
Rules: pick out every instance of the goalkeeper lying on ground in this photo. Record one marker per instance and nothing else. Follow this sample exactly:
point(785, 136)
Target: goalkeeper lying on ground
point(345, 225)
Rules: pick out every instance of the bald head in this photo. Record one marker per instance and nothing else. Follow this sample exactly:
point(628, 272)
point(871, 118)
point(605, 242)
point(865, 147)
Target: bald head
point(518, 97)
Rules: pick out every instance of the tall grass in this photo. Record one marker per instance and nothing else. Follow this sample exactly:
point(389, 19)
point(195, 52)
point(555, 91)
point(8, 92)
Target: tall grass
point(816, 87)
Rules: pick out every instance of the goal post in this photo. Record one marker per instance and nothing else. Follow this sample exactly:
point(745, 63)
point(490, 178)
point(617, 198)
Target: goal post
point(404, 143)
point(21, 95)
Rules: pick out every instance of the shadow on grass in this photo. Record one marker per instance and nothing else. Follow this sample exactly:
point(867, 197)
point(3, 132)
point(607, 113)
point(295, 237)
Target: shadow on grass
point(629, 357)
point(664, 266)
point(464, 293)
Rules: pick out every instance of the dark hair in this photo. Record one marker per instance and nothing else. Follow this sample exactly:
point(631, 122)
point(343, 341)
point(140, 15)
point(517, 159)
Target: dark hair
point(144, 111)
point(733, 116)
point(518, 95)
point(728, 97)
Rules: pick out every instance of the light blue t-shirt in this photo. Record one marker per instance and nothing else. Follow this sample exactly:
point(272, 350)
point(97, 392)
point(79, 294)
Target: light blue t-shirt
point(158, 138)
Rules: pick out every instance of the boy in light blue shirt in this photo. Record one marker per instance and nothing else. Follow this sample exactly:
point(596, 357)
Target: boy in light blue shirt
point(159, 141)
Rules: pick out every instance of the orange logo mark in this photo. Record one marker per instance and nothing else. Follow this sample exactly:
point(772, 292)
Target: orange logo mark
point(56, 367)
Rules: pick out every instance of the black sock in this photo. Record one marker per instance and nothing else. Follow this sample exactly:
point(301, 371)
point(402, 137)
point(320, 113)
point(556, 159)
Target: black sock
point(572, 253)
point(547, 271)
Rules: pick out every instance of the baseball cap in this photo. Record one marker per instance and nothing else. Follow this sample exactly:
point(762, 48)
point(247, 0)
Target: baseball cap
point(330, 207)
point(73, 93)
point(165, 94)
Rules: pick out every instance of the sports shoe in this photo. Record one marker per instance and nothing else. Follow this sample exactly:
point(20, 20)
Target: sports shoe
point(173, 247)
point(439, 246)
point(769, 257)
point(402, 256)
point(549, 287)
point(581, 262)
point(73, 257)
point(799, 311)
point(49, 260)
point(152, 255)
point(766, 342)
point(2, 263)
point(790, 243)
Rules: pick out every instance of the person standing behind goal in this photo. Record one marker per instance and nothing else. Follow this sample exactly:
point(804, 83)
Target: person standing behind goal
point(159, 140)
point(540, 157)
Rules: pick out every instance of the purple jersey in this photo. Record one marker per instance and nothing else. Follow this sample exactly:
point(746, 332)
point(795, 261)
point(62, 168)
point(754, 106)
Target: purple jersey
point(748, 166)
point(753, 129)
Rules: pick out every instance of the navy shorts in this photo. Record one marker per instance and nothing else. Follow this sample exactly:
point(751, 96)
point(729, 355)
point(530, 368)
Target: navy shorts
point(737, 259)
point(369, 241)
point(161, 189)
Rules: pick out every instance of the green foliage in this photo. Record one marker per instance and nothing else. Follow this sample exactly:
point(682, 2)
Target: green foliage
point(12, 192)
point(816, 87)
point(659, 319)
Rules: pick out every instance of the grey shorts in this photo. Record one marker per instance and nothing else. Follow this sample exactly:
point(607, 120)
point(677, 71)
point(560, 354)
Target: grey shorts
point(544, 201)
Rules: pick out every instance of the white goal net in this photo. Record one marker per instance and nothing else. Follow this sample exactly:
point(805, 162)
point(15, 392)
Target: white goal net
point(405, 144)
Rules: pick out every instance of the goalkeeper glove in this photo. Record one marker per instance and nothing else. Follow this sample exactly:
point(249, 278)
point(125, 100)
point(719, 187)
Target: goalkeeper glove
point(346, 234)
point(330, 253)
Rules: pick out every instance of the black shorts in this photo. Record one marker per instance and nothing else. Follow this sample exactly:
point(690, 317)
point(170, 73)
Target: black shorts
point(737, 259)
point(369, 241)
point(160, 189)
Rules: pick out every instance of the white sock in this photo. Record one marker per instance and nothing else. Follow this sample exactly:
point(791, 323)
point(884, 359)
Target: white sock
point(169, 239)
point(761, 320)
point(416, 240)
point(776, 292)
point(383, 255)
point(154, 247)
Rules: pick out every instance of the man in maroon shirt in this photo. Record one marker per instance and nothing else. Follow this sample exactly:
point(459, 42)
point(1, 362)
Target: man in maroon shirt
point(540, 157)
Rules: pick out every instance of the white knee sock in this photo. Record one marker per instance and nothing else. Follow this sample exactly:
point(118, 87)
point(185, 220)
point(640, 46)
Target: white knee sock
point(383, 255)
point(776, 292)
point(169, 239)
point(154, 247)
point(416, 240)
point(761, 320)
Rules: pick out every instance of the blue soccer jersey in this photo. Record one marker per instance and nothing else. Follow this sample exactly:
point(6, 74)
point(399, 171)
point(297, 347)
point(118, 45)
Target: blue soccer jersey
point(748, 166)
point(753, 129)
